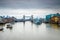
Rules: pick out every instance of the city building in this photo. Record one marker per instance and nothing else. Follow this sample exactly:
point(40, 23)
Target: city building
point(53, 18)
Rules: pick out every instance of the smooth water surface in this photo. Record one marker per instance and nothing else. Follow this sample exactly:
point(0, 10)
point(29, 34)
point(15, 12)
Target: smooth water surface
point(29, 31)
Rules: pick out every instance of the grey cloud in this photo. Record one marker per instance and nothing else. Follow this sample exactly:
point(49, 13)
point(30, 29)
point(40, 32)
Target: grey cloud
point(30, 3)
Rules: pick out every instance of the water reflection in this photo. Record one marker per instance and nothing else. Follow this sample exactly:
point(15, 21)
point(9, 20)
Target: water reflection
point(29, 31)
point(53, 26)
point(28, 24)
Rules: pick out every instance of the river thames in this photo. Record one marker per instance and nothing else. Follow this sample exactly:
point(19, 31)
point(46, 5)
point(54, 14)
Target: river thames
point(30, 31)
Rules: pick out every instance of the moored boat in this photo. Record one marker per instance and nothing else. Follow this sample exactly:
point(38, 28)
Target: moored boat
point(9, 25)
point(1, 28)
point(37, 21)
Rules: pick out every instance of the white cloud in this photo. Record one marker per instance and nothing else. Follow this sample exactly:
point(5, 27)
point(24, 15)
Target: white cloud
point(21, 12)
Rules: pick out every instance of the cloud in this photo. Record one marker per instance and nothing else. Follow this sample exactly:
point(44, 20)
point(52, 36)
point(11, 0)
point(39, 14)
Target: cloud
point(55, 4)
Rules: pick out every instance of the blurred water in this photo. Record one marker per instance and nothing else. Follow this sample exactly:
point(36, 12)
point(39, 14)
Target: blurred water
point(29, 31)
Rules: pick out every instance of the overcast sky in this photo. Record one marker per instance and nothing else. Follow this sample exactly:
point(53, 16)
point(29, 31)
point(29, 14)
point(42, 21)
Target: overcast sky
point(39, 4)
point(29, 7)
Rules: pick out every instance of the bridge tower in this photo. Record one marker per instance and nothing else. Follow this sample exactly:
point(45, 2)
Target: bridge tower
point(31, 18)
point(24, 20)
